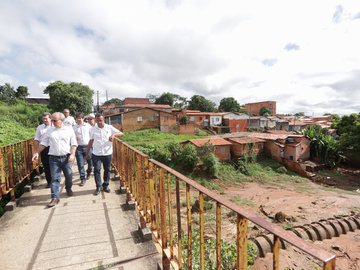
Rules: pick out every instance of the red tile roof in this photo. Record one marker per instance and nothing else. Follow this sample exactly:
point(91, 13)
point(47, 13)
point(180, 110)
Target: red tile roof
point(163, 106)
point(246, 140)
point(136, 101)
point(213, 141)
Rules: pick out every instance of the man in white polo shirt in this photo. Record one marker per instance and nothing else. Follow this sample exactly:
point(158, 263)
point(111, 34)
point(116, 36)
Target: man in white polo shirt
point(62, 143)
point(82, 132)
point(69, 120)
point(39, 134)
point(101, 137)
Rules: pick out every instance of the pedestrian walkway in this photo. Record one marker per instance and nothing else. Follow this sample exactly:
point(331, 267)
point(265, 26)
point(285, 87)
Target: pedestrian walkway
point(82, 232)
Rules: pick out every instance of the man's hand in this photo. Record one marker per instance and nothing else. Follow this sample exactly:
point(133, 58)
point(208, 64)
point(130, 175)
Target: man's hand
point(35, 157)
point(71, 158)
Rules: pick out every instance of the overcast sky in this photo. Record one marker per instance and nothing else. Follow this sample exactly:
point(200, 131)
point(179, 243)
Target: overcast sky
point(303, 54)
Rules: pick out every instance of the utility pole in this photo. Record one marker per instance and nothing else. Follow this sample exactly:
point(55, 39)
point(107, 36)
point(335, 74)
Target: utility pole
point(107, 98)
point(98, 105)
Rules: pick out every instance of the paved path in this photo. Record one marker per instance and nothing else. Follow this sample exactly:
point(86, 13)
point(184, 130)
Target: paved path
point(81, 232)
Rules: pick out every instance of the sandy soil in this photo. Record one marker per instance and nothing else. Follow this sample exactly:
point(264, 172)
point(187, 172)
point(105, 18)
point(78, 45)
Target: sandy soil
point(302, 203)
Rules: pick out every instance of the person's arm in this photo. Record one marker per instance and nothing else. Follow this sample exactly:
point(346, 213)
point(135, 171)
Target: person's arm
point(36, 155)
point(90, 144)
point(72, 153)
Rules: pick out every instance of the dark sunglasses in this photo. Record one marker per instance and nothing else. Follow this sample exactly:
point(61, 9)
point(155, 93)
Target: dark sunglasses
point(55, 120)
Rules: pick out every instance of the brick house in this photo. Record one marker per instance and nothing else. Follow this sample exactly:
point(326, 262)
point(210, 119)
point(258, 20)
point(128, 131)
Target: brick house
point(222, 146)
point(246, 145)
point(285, 146)
point(143, 118)
point(255, 107)
point(236, 122)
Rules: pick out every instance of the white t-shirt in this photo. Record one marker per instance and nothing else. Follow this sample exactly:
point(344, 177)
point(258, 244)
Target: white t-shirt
point(40, 131)
point(69, 121)
point(60, 140)
point(101, 145)
point(82, 133)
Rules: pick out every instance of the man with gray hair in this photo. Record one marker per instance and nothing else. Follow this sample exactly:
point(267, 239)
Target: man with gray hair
point(62, 143)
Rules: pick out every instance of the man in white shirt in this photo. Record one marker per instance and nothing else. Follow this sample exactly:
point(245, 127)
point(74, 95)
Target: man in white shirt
point(62, 143)
point(101, 137)
point(82, 132)
point(69, 120)
point(39, 134)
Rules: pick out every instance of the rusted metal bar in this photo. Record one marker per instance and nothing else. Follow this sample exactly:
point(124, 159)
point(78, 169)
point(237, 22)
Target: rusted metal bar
point(165, 259)
point(218, 236)
point(202, 231)
point(329, 265)
point(241, 243)
point(276, 252)
point(178, 216)
point(189, 232)
point(152, 196)
point(157, 200)
point(170, 216)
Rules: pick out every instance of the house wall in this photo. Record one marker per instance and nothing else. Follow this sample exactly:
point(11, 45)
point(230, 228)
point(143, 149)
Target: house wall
point(187, 129)
point(236, 125)
point(237, 150)
point(222, 152)
point(141, 119)
point(254, 108)
point(273, 150)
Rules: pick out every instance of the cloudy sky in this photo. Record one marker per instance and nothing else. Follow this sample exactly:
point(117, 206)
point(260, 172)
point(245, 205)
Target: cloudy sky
point(304, 54)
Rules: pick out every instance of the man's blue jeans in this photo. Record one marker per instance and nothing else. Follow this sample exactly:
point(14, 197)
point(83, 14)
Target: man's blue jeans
point(80, 155)
point(59, 164)
point(90, 163)
point(106, 162)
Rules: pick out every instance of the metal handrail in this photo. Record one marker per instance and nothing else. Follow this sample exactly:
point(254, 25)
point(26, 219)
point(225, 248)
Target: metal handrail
point(148, 182)
point(15, 165)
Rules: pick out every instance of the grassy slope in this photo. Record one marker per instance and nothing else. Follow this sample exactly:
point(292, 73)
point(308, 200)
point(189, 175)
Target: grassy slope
point(18, 121)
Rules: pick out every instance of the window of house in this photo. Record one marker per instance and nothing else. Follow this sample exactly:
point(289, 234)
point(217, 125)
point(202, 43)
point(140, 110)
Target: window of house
point(152, 118)
point(166, 118)
point(139, 119)
point(192, 118)
point(260, 146)
point(222, 149)
point(200, 118)
point(291, 157)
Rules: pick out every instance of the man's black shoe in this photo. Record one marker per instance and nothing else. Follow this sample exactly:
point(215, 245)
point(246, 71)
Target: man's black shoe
point(88, 175)
point(82, 182)
point(97, 191)
point(106, 189)
point(69, 192)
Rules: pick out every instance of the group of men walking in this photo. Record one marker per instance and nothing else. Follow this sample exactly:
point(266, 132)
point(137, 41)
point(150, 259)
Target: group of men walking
point(61, 139)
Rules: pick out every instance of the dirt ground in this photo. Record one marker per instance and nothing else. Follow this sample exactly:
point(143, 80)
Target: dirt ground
point(337, 193)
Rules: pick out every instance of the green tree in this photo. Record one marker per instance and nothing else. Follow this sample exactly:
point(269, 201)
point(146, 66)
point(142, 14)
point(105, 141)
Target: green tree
point(323, 146)
point(187, 158)
point(229, 104)
point(202, 104)
point(348, 128)
point(166, 98)
point(115, 101)
point(75, 96)
point(299, 114)
point(264, 111)
point(7, 92)
point(22, 92)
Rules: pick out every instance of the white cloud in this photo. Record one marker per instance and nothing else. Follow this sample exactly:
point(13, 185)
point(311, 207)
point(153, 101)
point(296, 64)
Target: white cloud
point(303, 54)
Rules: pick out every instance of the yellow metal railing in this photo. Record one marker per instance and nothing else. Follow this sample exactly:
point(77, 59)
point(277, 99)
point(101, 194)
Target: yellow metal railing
point(15, 165)
point(158, 192)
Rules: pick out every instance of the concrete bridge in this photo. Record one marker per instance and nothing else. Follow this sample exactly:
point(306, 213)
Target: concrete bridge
point(82, 232)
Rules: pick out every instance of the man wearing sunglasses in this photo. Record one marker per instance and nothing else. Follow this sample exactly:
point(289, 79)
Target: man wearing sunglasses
point(62, 146)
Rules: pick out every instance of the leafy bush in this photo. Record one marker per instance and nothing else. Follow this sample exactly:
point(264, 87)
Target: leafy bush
point(187, 158)
point(212, 165)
